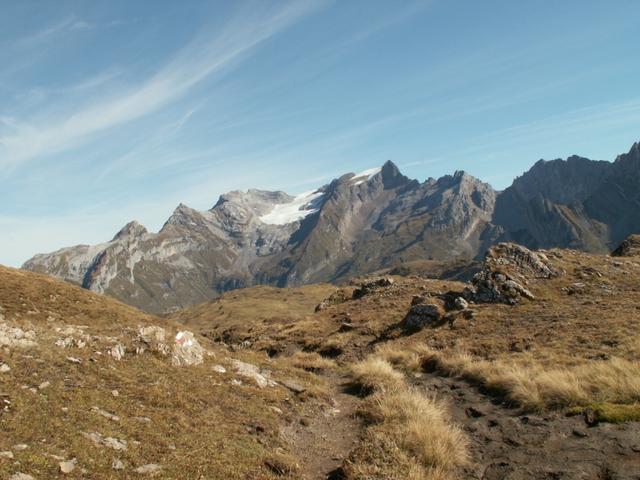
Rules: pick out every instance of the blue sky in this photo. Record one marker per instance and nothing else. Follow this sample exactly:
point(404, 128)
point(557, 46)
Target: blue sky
point(111, 111)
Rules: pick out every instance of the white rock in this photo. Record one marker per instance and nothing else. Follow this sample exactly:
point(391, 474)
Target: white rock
point(219, 369)
point(252, 371)
point(150, 468)
point(153, 338)
point(7, 454)
point(20, 447)
point(105, 414)
point(186, 350)
point(109, 442)
point(68, 466)
point(4, 368)
point(14, 337)
point(115, 393)
point(21, 476)
point(74, 360)
point(117, 464)
point(44, 385)
point(117, 351)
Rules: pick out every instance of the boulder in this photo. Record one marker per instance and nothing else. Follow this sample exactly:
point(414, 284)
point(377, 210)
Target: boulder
point(253, 372)
point(152, 338)
point(186, 350)
point(422, 315)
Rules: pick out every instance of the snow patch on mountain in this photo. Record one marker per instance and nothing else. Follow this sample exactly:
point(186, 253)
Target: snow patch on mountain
point(300, 207)
point(365, 176)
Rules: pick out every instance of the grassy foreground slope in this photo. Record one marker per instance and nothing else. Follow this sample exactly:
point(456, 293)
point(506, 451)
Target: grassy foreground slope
point(77, 393)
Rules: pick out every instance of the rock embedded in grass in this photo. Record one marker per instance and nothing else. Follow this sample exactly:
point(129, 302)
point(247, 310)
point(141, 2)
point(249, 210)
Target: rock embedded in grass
point(422, 315)
point(149, 469)
point(68, 466)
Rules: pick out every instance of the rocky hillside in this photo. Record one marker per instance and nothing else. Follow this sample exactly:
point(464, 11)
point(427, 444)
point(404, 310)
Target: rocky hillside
point(385, 378)
point(358, 223)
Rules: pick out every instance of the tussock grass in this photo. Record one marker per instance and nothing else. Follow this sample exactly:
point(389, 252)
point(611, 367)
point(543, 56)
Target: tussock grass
point(376, 374)
point(311, 361)
point(535, 387)
point(408, 359)
point(422, 427)
point(410, 435)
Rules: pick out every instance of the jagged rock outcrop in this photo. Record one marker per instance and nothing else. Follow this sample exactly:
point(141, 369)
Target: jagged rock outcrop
point(630, 247)
point(508, 268)
point(355, 225)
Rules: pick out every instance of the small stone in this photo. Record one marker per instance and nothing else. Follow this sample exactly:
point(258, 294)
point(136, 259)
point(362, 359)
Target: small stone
point(43, 385)
point(21, 476)
point(68, 466)
point(115, 393)
point(74, 360)
point(117, 351)
point(219, 369)
point(294, 386)
point(579, 433)
point(117, 464)
point(20, 447)
point(150, 468)
point(7, 454)
point(4, 368)
point(590, 417)
point(105, 414)
point(460, 303)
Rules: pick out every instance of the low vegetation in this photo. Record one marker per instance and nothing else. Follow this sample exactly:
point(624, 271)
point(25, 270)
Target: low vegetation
point(409, 434)
point(530, 384)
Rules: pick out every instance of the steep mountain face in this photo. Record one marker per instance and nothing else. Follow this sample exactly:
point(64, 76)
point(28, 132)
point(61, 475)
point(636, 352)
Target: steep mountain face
point(576, 203)
point(354, 225)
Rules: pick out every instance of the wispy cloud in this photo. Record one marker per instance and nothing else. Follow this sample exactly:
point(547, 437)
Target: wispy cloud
point(202, 58)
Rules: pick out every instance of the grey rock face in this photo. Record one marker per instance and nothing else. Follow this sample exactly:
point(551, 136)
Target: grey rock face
point(352, 226)
point(577, 203)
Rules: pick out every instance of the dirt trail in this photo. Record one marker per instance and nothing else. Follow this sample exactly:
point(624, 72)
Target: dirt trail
point(506, 444)
point(323, 437)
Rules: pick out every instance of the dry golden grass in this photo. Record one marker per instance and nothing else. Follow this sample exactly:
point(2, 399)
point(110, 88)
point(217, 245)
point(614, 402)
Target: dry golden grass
point(534, 386)
point(376, 374)
point(410, 435)
point(423, 428)
point(311, 361)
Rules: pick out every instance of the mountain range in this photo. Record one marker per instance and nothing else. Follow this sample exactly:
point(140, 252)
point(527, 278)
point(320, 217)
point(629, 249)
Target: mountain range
point(356, 224)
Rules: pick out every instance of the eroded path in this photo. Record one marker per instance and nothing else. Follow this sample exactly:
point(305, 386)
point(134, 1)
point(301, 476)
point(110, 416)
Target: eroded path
point(506, 444)
point(325, 434)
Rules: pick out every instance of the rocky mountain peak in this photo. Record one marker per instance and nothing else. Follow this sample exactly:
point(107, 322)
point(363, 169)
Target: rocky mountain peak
point(131, 229)
point(391, 176)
